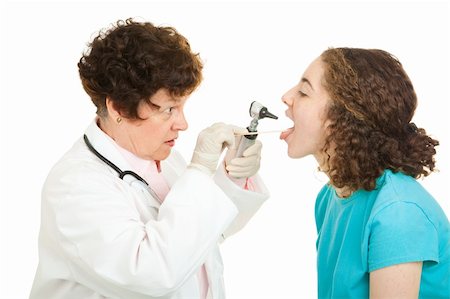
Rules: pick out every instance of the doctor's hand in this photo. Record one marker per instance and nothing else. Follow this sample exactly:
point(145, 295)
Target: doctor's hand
point(247, 165)
point(210, 144)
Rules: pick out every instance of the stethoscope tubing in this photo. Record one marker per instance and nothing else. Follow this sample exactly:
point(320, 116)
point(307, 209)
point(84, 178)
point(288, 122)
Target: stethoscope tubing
point(111, 164)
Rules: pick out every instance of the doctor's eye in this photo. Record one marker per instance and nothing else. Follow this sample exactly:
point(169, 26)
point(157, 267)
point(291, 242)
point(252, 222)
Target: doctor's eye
point(168, 110)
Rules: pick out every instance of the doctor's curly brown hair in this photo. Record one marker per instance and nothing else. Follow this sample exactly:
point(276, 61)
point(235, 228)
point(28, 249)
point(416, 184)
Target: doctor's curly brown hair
point(372, 105)
point(131, 61)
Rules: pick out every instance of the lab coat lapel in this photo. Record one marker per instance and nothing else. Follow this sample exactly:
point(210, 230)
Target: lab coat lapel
point(173, 167)
point(214, 270)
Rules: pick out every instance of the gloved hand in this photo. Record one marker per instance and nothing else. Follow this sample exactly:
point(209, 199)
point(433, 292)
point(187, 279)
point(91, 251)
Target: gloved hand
point(210, 144)
point(247, 165)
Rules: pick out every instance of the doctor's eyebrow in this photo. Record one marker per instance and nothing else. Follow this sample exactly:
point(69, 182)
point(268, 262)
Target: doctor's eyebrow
point(169, 102)
point(307, 82)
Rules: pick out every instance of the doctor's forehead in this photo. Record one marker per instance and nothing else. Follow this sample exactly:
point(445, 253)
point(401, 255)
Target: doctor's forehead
point(163, 96)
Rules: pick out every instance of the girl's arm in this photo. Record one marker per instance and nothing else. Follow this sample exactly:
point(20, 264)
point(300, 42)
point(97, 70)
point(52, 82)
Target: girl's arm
point(397, 281)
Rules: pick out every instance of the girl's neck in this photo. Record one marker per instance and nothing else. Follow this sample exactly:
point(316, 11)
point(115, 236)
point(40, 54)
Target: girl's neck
point(343, 192)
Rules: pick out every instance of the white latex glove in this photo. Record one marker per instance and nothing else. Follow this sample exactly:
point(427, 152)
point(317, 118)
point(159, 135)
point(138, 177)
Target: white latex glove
point(247, 165)
point(210, 144)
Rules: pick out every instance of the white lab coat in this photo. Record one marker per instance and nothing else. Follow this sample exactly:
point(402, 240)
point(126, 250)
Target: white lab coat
point(103, 237)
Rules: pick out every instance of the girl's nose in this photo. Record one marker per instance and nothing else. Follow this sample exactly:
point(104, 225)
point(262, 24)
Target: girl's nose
point(286, 99)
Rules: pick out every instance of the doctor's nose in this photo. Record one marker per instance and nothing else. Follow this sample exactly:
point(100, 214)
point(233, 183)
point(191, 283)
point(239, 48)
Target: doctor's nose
point(180, 123)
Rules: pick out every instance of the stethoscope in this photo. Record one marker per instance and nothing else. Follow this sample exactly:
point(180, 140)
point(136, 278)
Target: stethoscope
point(121, 173)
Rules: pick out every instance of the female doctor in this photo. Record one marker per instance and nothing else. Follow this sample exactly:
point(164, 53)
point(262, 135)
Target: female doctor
point(122, 215)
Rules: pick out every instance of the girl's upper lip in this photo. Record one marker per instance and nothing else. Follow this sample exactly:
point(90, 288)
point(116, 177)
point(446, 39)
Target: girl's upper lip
point(288, 114)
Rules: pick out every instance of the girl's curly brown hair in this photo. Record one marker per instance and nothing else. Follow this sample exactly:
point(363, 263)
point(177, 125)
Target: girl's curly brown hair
point(372, 104)
point(131, 61)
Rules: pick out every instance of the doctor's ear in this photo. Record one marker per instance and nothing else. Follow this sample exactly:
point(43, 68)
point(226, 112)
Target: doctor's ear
point(112, 111)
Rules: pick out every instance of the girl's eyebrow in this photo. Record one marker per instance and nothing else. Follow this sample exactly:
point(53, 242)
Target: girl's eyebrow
point(307, 82)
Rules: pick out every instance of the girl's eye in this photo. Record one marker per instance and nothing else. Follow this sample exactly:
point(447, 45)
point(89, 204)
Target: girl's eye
point(302, 94)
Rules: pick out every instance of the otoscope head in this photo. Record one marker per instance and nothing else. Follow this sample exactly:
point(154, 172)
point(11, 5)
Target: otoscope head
point(258, 111)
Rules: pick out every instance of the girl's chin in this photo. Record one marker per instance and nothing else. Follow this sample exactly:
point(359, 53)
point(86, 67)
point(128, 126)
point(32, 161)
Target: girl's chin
point(295, 153)
point(292, 155)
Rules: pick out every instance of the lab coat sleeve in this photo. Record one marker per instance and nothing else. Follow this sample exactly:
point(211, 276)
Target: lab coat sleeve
point(248, 202)
point(111, 250)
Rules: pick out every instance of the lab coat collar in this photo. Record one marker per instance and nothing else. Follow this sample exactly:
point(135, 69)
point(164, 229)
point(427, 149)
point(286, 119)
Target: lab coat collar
point(105, 146)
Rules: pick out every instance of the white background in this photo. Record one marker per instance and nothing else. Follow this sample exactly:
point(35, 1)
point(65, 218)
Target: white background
point(252, 51)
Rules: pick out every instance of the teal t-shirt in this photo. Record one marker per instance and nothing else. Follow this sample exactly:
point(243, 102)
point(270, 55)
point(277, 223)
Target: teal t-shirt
point(398, 222)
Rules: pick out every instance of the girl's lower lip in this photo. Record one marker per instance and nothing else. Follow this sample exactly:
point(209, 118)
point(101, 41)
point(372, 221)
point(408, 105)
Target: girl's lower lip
point(170, 143)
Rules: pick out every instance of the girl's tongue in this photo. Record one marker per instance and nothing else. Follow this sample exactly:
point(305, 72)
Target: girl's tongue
point(286, 133)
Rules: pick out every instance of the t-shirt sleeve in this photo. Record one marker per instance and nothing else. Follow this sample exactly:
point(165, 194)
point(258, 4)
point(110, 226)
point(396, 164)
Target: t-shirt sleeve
point(321, 206)
point(401, 233)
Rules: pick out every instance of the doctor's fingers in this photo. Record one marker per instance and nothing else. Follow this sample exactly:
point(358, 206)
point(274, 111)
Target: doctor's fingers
point(216, 137)
point(244, 167)
point(242, 171)
point(239, 175)
point(238, 164)
point(255, 149)
point(239, 130)
point(238, 133)
point(223, 134)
